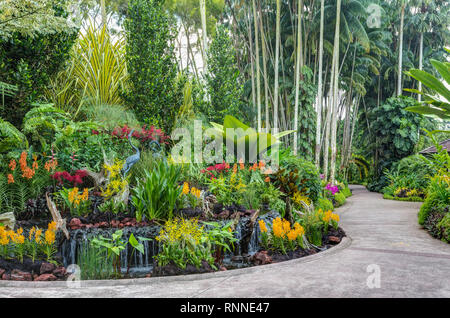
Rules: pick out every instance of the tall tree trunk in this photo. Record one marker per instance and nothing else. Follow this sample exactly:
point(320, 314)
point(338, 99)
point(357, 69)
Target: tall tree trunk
point(258, 72)
point(319, 88)
point(264, 57)
point(419, 97)
point(250, 41)
point(335, 94)
point(297, 73)
point(277, 62)
point(400, 50)
point(204, 33)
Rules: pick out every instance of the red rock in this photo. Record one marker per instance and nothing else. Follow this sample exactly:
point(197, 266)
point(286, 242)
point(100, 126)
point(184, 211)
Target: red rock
point(223, 269)
point(103, 224)
point(6, 277)
point(128, 224)
point(21, 276)
point(88, 226)
point(121, 225)
point(334, 239)
point(2, 271)
point(60, 272)
point(47, 268)
point(261, 258)
point(75, 224)
point(45, 278)
point(35, 276)
point(148, 275)
point(115, 223)
point(126, 220)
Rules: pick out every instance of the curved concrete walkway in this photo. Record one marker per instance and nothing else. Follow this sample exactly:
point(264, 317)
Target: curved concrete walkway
point(384, 238)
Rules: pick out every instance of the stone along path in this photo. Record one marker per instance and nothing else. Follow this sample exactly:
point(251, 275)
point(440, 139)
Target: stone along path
point(387, 254)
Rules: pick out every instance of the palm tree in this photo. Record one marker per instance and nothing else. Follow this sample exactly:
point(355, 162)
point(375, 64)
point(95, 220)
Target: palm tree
point(400, 49)
point(297, 71)
point(277, 62)
point(204, 33)
point(258, 76)
point(335, 92)
point(319, 86)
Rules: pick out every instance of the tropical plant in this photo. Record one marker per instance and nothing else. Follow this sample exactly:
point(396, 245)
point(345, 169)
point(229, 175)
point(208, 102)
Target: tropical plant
point(184, 242)
point(282, 238)
point(156, 196)
point(94, 263)
point(433, 105)
point(221, 238)
point(249, 145)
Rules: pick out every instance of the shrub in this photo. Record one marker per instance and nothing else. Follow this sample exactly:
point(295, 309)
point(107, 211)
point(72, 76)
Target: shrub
point(308, 176)
point(340, 198)
point(324, 204)
point(155, 94)
point(184, 242)
point(396, 130)
point(347, 192)
point(444, 227)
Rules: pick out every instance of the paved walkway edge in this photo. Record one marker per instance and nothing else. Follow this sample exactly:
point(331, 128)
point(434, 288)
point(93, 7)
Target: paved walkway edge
point(346, 242)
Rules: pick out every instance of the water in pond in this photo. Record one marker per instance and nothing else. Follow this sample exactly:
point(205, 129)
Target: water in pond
point(142, 264)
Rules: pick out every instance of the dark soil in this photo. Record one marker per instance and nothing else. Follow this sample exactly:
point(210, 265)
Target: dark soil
point(173, 270)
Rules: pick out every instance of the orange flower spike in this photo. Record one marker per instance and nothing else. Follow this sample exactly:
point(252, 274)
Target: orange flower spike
point(185, 188)
point(267, 179)
point(23, 160)
point(261, 165)
point(12, 165)
point(241, 164)
point(10, 178)
point(35, 165)
point(235, 168)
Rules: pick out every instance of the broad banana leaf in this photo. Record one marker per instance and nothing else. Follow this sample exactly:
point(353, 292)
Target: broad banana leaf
point(247, 139)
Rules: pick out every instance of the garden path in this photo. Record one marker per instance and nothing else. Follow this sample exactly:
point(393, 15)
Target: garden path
point(382, 234)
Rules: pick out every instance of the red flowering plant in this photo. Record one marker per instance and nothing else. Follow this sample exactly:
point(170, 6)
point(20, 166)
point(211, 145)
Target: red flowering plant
point(74, 179)
point(144, 135)
point(215, 170)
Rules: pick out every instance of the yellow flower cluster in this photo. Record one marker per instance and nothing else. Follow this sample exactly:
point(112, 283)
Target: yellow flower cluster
point(262, 226)
point(299, 198)
point(117, 184)
point(329, 215)
point(35, 234)
point(75, 198)
point(9, 236)
point(194, 191)
point(178, 230)
point(282, 229)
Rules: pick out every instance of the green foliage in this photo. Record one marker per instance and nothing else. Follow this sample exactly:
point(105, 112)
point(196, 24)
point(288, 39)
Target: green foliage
point(10, 137)
point(346, 192)
point(249, 144)
point(411, 173)
point(145, 163)
point(184, 242)
point(30, 60)
point(154, 94)
point(94, 263)
point(221, 238)
point(307, 115)
point(222, 78)
point(340, 198)
point(444, 227)
point(308, 180)
point(396, 131)
point(324, 204)
point(156, 195)
point(434, 106)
